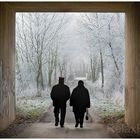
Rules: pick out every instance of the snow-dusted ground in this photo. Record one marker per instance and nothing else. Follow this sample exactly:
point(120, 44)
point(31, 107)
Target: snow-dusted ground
point(102, 106)
point(32, 107)
point(105, 106)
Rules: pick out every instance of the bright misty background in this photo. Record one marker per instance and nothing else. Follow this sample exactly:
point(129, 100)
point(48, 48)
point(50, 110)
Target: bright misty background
point(88, 46)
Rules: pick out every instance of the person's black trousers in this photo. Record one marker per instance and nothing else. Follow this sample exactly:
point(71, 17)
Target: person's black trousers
point(79, 117)
point(62, 111)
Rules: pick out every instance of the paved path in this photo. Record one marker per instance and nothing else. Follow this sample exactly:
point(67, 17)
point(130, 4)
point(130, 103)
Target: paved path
point(48, 130)
point(48, 116)
point(45, 128)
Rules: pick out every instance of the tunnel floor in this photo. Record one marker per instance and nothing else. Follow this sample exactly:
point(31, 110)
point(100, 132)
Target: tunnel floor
point(48, 130)
point(44, 127)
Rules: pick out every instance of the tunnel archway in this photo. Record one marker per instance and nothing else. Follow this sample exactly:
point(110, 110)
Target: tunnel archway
point(7, 50)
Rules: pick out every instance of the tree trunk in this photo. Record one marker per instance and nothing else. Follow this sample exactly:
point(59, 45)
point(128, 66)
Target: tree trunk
point(39, 80)
point(92, 73)
point(115, 62)
point(38, 87)
point(42, 80)
point(50, 78)
point(110, 45)
point(102, 68)
point(55, 74)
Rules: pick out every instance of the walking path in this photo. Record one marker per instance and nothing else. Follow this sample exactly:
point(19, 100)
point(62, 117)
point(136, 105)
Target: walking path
point(48, 130)
point(45, 128)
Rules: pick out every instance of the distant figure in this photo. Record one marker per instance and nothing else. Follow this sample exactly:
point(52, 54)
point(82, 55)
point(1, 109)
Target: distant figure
point(80, 101)
point(60, 94)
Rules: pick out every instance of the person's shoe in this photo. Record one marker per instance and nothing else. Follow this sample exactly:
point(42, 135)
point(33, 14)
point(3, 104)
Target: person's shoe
point(62, 126)
point(81, 126)
point(56, 123)
point(76, 125)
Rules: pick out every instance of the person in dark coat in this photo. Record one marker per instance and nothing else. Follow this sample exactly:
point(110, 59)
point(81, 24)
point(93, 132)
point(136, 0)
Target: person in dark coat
point(80, 101)
point(60, 94)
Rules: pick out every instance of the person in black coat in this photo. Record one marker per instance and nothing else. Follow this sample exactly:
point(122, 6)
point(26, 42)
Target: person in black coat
point(80, 101)
point(60, 94)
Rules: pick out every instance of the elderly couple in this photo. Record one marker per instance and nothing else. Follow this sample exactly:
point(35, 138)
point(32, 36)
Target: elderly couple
point(79, 100)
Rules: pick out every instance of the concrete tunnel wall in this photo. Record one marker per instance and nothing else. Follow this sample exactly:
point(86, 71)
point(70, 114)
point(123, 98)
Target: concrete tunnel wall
point(7, 53)
point(7, 67)
point(132, 66)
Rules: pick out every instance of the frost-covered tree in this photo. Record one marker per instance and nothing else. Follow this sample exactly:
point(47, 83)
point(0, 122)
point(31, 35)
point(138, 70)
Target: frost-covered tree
point(36, 41)
point(104, 34)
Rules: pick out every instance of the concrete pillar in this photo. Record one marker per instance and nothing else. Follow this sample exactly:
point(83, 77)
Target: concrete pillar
point(132, 66)
point(7, 65)
point(7, 58)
